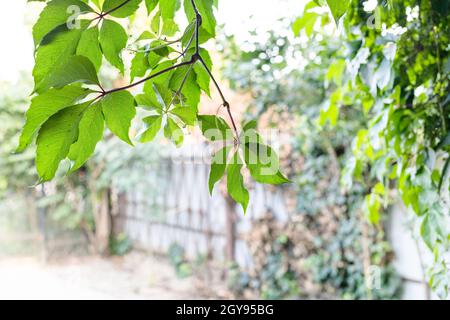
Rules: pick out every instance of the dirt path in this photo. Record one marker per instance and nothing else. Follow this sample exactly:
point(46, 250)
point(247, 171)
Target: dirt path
point(133, 277)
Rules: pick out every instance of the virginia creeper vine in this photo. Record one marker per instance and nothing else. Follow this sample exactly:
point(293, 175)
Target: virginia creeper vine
point(69, 125)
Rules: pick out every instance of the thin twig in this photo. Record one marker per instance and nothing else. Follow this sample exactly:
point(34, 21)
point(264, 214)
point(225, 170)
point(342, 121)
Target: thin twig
point(113, 9)
point(183, 53)
point(185, 63)
point(195, 57)
point(153, 49)
point(214, 80)
point(198, 23)
point(195, 7)
point(225, 103)
point(181, 86)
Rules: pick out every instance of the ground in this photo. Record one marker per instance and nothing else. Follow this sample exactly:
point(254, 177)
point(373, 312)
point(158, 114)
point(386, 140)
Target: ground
point(136, 276)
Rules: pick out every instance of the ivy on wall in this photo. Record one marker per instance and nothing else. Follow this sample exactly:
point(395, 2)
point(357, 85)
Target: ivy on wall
point(394, 67)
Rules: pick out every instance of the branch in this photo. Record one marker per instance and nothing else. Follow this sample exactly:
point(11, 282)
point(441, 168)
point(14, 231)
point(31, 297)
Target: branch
point(195, 57)
point(195, 7)
point(198, 23)
point(103, 14)
point(185, 63)
point(157, 48)
point(183, 53)
point(225, 103)
point(181, 86)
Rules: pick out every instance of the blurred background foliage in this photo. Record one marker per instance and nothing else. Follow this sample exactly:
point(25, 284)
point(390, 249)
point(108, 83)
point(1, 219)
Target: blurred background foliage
point(68, 204)
point(327, 247)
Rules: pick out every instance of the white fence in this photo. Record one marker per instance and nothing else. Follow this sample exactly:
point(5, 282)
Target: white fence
point(184, 213)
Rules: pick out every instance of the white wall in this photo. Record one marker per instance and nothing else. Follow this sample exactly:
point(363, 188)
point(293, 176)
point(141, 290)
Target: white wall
point(408, 261)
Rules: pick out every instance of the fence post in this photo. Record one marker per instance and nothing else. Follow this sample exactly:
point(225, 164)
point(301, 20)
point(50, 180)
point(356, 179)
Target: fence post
point(42, 221)
point(103, 220)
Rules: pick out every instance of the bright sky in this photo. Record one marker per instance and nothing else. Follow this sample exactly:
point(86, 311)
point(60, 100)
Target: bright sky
point(16, 41)
point(17, 45)
point(234, 14)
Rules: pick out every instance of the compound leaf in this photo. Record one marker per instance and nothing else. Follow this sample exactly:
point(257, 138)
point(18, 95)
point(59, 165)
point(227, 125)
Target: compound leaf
point(91, 130)
point(235, 182)
point(44, 106)
point(113, 39)
point(89, 47)
point(124, 10)
point(119, 109)
point(153, 125)
point(75, 69)
point(218, 166)
point(56, 13)
point(55, 138)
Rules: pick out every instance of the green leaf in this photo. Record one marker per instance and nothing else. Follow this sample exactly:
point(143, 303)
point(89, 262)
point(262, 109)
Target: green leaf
point(331, 114)
point(151, 5)
point(153, 125)
point(139, 65)
point(146, 35)
point(205, 7)
point(149, 101)
point(152, 97)
point(113, 39)
point(162, 80)
point(305, 22)
point(263, 164)
point(168, 9)
point(427, 232)
point(336, 70)
point(187, 35)
point(338, 8)
point(163, 95)
point(235, 182)
point(44, 106)
point(90, 133)
point(55, 138)
point(444, 174)
point(203, 78)
point(218, 166)
point(158, 49)
point(119, 109)
point(89, 47)
point(156, 23)
point(98, 3)
point(173, 132)
point(55, 50)
point(75, 69)
point(187, 114)
point(191, 90)
point(123, 11)
point(250, 125)
point(56, 13)
point(163, 26)
point(164, 20)
point(214, 128)
point(373, 205)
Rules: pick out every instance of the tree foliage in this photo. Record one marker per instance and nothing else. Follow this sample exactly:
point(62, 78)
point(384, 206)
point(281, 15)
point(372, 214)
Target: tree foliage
point(71, 108)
